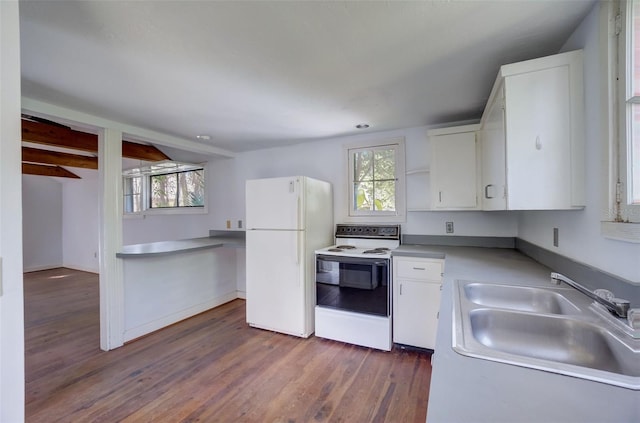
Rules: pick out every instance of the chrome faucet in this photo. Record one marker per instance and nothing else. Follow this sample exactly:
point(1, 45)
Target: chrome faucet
point(615, 305)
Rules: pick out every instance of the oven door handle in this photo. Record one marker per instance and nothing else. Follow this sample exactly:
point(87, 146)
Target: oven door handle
point(352, 260)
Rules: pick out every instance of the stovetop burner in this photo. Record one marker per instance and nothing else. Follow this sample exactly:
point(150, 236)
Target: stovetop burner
point(340, 248)
point(376, 251)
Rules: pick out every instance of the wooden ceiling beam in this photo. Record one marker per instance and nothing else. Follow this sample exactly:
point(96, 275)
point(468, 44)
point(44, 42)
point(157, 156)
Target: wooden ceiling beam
point(42, 133)
point(48, 134)
point(132, 150)
point(45, 170)
point(37, 155)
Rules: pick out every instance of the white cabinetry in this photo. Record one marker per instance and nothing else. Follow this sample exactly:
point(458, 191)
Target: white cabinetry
point(532, 136)
point(417, 284)
point(454, 168)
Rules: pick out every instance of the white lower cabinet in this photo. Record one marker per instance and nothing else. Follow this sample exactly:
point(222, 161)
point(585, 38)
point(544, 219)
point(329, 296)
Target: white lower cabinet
point(417, 285)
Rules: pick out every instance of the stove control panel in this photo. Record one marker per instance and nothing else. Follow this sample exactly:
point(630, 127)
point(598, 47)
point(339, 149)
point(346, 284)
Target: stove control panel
point(368, 231)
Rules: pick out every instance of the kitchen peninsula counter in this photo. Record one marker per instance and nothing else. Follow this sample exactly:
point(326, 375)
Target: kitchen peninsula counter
point(466, 389)
point(168, 281)
point(180, 246)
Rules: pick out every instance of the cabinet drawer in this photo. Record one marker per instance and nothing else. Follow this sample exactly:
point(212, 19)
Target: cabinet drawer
point(420, 269)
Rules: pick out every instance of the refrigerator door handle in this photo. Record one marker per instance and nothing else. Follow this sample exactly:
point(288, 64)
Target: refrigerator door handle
point(298, 214)
point(298, 246)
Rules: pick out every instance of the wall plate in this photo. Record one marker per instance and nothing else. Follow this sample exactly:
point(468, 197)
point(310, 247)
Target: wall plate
point(448, 227)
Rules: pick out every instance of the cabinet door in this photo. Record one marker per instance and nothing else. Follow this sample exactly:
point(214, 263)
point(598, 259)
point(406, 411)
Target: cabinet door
point(538, 116)
point(415, 313)
point(493, 157)
point(454, 171)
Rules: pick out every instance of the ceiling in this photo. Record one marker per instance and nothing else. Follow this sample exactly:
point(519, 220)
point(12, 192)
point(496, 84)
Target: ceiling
point(269, 73)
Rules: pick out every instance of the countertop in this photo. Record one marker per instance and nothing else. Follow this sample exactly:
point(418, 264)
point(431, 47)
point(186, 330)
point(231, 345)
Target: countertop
point(179, 246)
point(466, 389)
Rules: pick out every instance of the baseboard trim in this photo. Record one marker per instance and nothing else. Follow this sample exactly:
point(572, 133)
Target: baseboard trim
point(145, 329)
point(81, 268)
point(40, 268)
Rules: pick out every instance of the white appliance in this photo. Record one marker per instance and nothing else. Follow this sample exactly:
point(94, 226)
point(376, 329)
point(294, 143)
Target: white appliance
point(286, 220)
point(353, 286)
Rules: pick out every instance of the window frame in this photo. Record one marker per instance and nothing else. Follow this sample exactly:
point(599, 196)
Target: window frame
point(398, 144)
point(625, 211)
point(619, 219)
point(145, 206)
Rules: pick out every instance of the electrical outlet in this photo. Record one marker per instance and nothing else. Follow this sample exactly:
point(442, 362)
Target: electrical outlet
point(239, 224)
point(555, 237)
point(228, 224)
point(448, 227)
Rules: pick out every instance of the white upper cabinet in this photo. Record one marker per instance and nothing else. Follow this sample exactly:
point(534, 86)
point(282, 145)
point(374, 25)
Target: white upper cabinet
point(494, 178)
point(454, 168)
point(532, 136)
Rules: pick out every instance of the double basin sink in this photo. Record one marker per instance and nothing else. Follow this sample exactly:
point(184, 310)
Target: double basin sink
point(553, 328)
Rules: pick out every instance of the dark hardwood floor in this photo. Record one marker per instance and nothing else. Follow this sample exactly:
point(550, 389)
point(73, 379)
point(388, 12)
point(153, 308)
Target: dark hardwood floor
point(211, 367)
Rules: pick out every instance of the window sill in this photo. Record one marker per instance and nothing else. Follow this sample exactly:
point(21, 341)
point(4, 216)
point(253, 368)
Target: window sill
point(166, 211)
point(620, 231)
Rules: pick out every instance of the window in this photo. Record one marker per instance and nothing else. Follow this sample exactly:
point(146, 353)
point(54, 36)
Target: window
point(183, 189)
point(156, 189)
point(133, 194)
point(627, 194)
point(376, 179)
point(622, 213)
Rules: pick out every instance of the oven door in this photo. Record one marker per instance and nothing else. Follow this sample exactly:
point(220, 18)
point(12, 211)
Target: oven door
point(354, 284)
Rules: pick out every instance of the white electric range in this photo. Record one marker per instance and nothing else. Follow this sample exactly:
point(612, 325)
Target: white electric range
point(353, 285)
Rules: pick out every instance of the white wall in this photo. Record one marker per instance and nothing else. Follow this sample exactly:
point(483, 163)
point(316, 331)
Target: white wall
point(326, 160)
point(61, 222)
point(11, 297)
point(41, 223)
point(152, 228)
point(579, 231)
point(81, 221)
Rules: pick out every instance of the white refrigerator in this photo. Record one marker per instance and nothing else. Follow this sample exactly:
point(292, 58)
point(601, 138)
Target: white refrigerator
point(287, 219)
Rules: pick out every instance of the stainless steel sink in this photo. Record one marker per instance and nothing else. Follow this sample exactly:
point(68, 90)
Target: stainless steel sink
point(551, 338)
point(552, 329)
point(521, 298)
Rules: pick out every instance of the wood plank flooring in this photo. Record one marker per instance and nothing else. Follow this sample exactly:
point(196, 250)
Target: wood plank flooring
point(209, 368)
